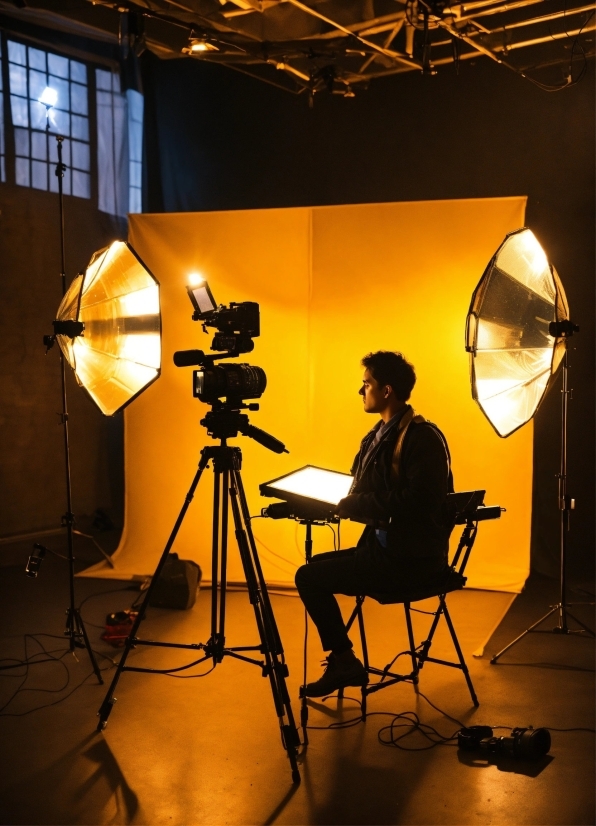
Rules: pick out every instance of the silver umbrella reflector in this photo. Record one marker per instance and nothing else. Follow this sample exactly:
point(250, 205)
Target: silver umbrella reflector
point(513, 332)
point(109, 327)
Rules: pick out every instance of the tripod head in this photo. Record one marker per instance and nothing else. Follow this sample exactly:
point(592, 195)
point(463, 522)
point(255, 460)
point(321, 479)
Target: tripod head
point(225, 421)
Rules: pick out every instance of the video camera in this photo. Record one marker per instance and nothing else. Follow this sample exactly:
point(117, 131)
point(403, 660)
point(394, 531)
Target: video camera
point(236, 325)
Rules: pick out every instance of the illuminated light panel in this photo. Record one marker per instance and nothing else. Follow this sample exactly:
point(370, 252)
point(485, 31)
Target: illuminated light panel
point(513, 355)
point(119, 353)
point(315, 483)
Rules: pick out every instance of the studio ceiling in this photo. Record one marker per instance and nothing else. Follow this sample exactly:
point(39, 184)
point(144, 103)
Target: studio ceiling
point(339, 47)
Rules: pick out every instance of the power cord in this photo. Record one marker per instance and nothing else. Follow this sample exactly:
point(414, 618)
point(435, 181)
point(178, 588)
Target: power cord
point(390, 735)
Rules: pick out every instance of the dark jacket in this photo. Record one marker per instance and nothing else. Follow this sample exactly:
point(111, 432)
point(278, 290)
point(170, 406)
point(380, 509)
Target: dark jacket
point(410, 507)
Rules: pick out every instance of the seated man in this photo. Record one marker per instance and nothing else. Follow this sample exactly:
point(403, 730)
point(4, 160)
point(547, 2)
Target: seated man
point(401, 479)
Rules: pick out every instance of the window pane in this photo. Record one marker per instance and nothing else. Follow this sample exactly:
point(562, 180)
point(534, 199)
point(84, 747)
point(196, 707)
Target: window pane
point(59, 122)
point(80, 155)
point(65, 181)
point(21, 142)
point(103, 79)
point(58, 65)
point(61, 86)
point(78, 96)
point(18, 107)
point(135, 174)
point(80, 127)
point(22, 171)
point(65, 151)
point(39, 115)
point(39, 148)
point(39, 175)
point(37, 83)
point(135, 200)
point(104, 99)
point(116, 82)
point(17, 53)
point(2, 170)
point(37, 59)
point(80, 184)
point(78, 71)
point(18, 80)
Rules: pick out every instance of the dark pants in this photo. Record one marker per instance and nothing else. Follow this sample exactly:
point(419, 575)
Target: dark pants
point(351, 572)
point(328, 574)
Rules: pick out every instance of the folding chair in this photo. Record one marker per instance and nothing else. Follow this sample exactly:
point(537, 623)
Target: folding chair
point(469, 511)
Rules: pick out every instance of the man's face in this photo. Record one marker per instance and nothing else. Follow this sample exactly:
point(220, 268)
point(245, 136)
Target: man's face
point(375, 395)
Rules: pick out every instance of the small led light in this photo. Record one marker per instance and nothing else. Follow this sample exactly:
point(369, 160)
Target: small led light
point(195, 279)
point(49, 96)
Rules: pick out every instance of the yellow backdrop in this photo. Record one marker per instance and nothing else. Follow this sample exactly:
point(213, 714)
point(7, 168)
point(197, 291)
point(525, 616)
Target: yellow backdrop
point(333, 283)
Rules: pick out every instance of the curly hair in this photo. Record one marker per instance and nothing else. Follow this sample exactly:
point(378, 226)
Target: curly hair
point(389, 368)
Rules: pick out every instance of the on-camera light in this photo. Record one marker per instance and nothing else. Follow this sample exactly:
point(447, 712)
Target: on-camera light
point(200, 295)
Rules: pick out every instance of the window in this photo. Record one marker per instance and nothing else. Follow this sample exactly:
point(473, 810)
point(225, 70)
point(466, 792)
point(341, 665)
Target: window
point(119, 145)
point(31, 73)
point(2, 149)
point(31, 70)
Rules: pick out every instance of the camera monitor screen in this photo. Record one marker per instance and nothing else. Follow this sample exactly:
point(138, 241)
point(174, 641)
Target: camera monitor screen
point(310, 482)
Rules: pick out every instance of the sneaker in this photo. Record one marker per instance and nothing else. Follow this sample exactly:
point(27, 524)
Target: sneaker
point(335, 677)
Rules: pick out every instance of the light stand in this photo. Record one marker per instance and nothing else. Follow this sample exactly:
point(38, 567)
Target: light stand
point(566, 505)
point(228, 491)
point(75, 627)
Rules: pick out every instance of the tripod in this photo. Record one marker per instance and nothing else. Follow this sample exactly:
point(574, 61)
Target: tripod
point(228, 492)
point(566, 505)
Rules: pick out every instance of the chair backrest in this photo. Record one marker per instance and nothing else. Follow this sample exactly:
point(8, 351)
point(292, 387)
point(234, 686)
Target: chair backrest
point(465, 508)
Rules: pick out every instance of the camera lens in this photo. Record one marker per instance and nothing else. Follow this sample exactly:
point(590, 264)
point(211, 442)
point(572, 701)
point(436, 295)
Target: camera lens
point(232, 381)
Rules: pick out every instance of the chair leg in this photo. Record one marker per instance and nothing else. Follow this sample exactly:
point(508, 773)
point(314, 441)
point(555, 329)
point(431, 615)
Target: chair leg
point(360, 615)
point(412, 643)
point(460, 655)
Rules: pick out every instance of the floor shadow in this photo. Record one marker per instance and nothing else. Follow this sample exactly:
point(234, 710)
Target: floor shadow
point(127, 802)
point(69, 793)
point(505, 762)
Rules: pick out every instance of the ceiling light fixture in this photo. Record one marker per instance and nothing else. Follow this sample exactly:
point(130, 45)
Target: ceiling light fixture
point(199, 45)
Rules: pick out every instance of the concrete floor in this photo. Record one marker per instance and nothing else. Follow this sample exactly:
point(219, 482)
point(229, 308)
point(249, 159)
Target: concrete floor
point(207, 751)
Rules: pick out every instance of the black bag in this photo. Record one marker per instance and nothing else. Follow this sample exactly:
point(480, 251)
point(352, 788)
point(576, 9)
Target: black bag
point(177, 585)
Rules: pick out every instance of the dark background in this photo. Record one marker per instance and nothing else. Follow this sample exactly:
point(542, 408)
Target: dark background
point(216, 139)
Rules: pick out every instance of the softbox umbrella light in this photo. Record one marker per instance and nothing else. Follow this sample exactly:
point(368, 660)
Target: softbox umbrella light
point(513, 332)
point(516, 331)
point(109, 327)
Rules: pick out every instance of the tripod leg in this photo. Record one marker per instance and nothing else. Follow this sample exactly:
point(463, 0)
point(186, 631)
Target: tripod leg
point(221, 636)
point(109, 699)
point(81, 630)
point(215, 563)
point(277, 670)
